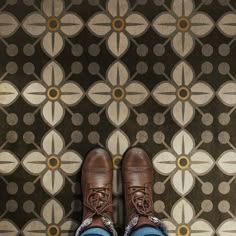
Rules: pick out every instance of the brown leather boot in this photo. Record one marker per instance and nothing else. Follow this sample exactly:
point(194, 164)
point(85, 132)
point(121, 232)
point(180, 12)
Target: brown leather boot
point(138, 182)
point(96, 184)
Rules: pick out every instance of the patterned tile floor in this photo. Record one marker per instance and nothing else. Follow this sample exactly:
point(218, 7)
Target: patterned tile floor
point(79, 74)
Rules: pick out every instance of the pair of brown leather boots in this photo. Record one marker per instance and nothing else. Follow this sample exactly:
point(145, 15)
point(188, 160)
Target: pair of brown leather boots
point(96, 181)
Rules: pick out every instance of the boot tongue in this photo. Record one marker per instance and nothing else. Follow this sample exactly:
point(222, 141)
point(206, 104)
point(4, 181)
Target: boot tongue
point(139, 198)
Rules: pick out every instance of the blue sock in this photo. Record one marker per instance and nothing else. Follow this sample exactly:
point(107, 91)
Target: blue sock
point(147, 231)
point(96, 231)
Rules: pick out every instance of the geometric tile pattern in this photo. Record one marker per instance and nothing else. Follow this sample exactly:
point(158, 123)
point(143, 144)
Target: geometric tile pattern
point(79, 74)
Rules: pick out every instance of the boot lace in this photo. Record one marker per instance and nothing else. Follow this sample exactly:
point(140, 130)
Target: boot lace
point(97, 201)
point(141, 200)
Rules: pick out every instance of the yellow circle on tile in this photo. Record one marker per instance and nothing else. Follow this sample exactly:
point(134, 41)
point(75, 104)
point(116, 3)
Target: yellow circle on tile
point(53, 93)
point(183, 93)
point(53, 24)
point(118, 24)
point(118, 93)
point(183, 230)
point(116, 161)
point(53, 230)
point(183, 162)
point(183, 24)
point(53, 162)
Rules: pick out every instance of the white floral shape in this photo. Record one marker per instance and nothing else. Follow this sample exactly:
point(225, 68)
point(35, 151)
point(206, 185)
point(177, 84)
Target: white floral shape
point(52, 26)
point(52, 163)
point(49, 210)
point(117, 143)
point(226, 24)
point(9, 24)
point(183, 24)
point(53, 93)
point(8, 228)
point(53, 143)
point(8, 162)
point(183, 220)
point(182, 94)
point(117, 26)
point(227, 162)
point(8, 93)
point(183, 162)
point(53, 7)
point(227, 228)
point(117, 93)
point(52, 219)
point(227, 92)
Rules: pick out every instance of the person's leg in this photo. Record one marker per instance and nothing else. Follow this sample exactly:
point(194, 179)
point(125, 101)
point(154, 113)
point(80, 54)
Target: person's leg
point(147, 231)
point(96, 181)
point(137, 174)
point(96, 231)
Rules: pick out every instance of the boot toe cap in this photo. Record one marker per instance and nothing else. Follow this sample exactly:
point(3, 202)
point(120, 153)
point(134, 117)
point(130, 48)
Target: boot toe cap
point(136, 157)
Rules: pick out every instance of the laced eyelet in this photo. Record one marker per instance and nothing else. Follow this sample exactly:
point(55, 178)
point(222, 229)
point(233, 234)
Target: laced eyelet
point(141, 200)
point(98, 200)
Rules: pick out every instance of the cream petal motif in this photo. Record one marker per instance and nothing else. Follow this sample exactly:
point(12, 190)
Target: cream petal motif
point(118, 142)
point(182, 7)
point(183, 212)
point(164, 162)
point(34, 162)
point(7, 228)
point(136, 93)
point(227, 162)
point(117, 74)
point(71, 24)
point(68, 226)
point(227, 24)
point(34, 24)
point(70, 162)
point(165, 24)
point(8, 163)
point(52, 43)
point(118, 113)
point(118, 43)
point(201, 228)
point(8, 93)
point(183, 112)
point(71, 93)
point(164, 93)
point(52, 143)
point(99, 93)
point(117, 7)
point(136, 24)
point(34, 93)
point(201, 24)
point(201, 162)
point(182, 143)
point(170, 226)
point(52, 181)
point(201, 93)
point(52, 7)
point(182, 181)
point(182, 74)
point(227, 228)
point(34, 228)
point(52, 112)
point(100, 24)
point(52, 212)
point(53, 74)
point(183, 43)
point(227, 93)
point(9, 24)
